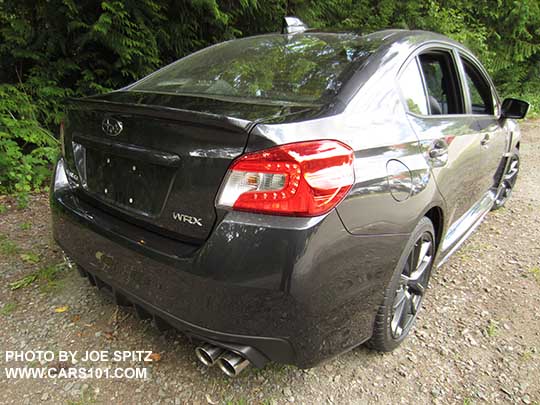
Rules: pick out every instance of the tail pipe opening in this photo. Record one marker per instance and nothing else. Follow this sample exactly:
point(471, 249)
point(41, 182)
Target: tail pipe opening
point(232, 364)
point(208, 354)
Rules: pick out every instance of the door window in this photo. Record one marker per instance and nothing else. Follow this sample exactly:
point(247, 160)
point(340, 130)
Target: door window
point(440, 79)
point(479, 90)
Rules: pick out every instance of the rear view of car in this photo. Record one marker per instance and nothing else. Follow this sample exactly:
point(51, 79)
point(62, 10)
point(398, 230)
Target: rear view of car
point(263, 196)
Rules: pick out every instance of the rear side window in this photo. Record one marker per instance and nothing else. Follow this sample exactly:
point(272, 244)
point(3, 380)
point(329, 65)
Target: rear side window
point(479, 90)
point(440, 79)
point(412, 88)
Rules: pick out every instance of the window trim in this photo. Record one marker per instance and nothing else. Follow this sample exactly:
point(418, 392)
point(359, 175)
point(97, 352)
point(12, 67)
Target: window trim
point(463, 56)
point(454, 50)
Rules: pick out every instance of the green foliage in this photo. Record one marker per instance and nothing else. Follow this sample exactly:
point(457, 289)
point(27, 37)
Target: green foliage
point(62, 48)
point(7, 246)
point(535, 271)
point(26, 148)
point(492, 329)
point(30, 257)
point(8, 308)
point(25, 226)
point(49, 278)
point(23, 282)
point(531, 93)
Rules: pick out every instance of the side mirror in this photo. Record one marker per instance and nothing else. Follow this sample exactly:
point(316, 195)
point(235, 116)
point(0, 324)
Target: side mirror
point(514, 108)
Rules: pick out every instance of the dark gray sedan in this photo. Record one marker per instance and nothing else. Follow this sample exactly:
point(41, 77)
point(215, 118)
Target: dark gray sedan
point(285, 197)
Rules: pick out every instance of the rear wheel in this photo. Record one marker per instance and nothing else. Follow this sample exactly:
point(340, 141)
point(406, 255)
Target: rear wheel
point(508, 181)
point(404, 295)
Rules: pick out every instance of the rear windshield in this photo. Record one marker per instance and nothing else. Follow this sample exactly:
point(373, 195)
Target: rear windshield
point(309, 67)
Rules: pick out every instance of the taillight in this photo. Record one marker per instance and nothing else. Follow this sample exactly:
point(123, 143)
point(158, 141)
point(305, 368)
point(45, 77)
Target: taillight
point(297, 179)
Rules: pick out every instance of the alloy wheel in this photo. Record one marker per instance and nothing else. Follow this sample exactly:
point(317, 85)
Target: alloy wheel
point(412, 285)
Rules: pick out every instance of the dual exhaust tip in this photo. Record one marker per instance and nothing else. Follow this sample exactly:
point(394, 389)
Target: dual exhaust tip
point(230, 363)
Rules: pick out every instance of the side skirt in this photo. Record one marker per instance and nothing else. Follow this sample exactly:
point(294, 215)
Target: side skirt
point(463, 227)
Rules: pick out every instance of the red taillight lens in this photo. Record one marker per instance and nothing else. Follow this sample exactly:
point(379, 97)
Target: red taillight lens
point(298, 179)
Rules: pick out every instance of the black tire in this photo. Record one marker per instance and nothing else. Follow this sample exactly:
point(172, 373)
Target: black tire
point(386, 330)
point(508, 181)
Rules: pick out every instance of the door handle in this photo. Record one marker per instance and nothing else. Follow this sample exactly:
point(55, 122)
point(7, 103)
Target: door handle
point(438, 149)
point(485, 140)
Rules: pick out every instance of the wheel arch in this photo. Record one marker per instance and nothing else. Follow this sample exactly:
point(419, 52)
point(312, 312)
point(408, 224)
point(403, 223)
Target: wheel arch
point(436, 215)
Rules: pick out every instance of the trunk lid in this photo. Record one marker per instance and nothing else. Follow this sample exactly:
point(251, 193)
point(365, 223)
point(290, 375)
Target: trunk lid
point(158, 160)
point(162, 170)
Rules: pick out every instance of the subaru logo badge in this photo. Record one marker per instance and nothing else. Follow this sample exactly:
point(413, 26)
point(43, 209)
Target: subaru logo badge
point(111, 126)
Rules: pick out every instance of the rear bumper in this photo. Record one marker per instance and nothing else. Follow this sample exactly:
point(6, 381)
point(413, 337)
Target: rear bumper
point(292, 290)
point(251, 347)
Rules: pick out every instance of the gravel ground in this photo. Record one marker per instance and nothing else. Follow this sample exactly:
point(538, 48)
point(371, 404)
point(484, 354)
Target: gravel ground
point(477, 339)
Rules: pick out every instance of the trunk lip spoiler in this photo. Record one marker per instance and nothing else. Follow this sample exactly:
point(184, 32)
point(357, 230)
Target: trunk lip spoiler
point(175, 114)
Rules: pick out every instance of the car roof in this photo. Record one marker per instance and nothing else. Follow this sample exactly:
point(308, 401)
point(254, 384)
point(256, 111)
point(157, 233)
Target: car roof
point(386, 36)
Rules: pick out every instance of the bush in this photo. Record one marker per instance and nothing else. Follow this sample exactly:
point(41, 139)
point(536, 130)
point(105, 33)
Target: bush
point(26, 147)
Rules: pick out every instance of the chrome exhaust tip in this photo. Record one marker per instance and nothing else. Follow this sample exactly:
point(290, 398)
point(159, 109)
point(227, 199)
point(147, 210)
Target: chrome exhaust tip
point(69, 263)
point(232, 364)
point(208, 354)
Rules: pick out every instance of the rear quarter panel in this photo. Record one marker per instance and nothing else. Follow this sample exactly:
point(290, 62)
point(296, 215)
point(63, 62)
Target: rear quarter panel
point(375, 126)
